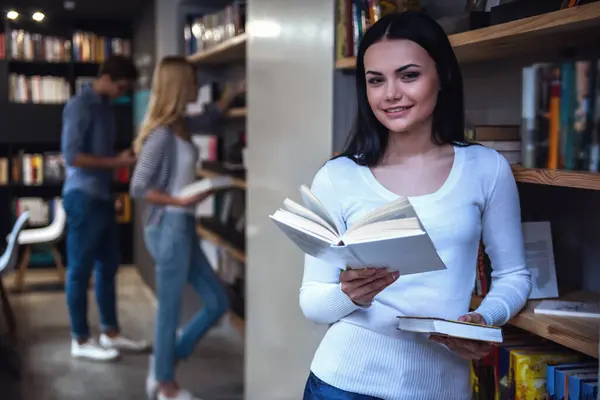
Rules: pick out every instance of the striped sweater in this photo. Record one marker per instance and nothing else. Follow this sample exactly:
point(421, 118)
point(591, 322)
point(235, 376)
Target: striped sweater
point(155, 168)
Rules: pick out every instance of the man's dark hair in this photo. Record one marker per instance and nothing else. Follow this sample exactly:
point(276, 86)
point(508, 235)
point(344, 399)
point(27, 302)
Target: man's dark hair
point(119, 67)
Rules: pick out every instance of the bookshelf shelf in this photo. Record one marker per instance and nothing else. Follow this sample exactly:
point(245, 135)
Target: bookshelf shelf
point(237, 322)
point(580, 334)
point(572, 179)
point(237, 113)
point(217, 240)
point(206, 173)
point(233, 49)
point(542, 32)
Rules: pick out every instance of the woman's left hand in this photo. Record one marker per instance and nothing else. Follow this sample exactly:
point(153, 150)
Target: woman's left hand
point(464, 348)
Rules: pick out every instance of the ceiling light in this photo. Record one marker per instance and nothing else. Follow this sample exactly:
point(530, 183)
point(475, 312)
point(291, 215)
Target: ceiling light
point(69, 5)
point(12, 15)
point(38, 16)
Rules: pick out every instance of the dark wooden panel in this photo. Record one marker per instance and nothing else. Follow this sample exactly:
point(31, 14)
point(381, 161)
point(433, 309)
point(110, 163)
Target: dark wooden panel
point(34, 123)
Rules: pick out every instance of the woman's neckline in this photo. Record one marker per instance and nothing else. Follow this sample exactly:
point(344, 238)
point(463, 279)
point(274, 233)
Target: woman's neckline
point(448, 184)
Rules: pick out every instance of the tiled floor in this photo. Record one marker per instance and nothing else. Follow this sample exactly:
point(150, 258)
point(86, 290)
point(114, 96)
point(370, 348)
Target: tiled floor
point(215, 372)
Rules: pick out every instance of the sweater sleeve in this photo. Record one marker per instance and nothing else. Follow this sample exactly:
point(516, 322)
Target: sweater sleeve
point(148, 164)
point(321, 296)
point(503, 241)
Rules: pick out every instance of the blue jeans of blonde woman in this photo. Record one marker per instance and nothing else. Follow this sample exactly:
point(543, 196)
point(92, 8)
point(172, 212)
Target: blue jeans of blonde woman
point(175, 247)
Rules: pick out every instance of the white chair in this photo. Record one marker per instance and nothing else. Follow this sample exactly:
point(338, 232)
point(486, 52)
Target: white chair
point(8, 260)
point(50, 234)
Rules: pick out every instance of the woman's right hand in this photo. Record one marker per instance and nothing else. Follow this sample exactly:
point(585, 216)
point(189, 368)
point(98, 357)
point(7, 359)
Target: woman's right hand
point(362, 285)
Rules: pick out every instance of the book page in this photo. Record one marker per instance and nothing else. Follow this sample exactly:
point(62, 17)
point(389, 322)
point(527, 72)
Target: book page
point(397, 209)
point(380, 230)
point(303, 212)
point(314, 245)
point(540, 259)
point(408, 255)
point(314, 204)
point(305, 226)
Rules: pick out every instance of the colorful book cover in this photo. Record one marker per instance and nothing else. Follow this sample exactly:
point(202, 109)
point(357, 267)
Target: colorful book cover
point(528, 370)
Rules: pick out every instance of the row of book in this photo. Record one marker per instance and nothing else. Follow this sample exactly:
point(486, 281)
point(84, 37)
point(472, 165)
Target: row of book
point(90, 47)
point(38, 89)
point(45, 89)
point(42, 211)
point(354, 17)
point(561, 115)
point(505, 139)
point(34, 169)
point(22, 45)
point(526, 366)
point(19, 44)
point(206, 31)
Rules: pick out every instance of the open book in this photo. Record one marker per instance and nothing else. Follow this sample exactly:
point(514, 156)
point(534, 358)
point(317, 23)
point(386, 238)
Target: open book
point(198, 187)
point(444, 327)
point(390, 236)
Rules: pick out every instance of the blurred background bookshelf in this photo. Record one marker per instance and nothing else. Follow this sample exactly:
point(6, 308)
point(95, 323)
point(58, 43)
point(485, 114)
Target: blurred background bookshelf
point(215, 43)
point(42, 64)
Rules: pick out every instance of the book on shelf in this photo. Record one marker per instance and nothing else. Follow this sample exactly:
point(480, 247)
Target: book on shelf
point(3, 171)
point(452, 328)
point(564, 308)
point(505, 139)
point(539, 253)
point(42, 211)
point(90, 47)
point(353, 18)
point(390, 236)
point(28, 46)
point(539, 256)
point(206, 31)
point(38, 89)
point(122, 203)
point(560, 115)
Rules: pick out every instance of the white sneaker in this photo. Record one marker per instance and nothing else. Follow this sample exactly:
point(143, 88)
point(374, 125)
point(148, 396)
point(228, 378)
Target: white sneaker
point(123, 343)
point(151, 383)
point(91, 350)
point(182, 395)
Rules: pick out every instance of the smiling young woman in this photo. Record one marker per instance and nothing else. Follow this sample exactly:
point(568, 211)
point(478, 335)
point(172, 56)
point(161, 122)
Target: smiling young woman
point(408, 140)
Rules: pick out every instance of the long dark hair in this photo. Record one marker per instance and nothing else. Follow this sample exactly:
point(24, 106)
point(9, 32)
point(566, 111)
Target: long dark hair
point(368, 138)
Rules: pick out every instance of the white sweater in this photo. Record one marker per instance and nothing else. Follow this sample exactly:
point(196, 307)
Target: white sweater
point(362, 351)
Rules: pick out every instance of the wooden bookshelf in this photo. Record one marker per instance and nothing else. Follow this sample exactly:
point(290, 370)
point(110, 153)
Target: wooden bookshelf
point(230, 50)
point(237, 182)
point(237, 113)
point(580, 334)
point(237, 322)
point(217, 240)
point(346, 63)
point(542, 32)
point(572, 179)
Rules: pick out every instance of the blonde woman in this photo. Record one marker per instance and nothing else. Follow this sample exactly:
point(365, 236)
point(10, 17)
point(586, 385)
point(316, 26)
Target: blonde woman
point(166, 163)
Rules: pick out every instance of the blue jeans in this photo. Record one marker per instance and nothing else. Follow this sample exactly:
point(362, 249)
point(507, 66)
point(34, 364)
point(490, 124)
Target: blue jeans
point(175, 247)
point(92, 244)
point(316, 389)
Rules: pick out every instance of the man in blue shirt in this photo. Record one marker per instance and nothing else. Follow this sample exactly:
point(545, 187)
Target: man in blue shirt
point(88, 147)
